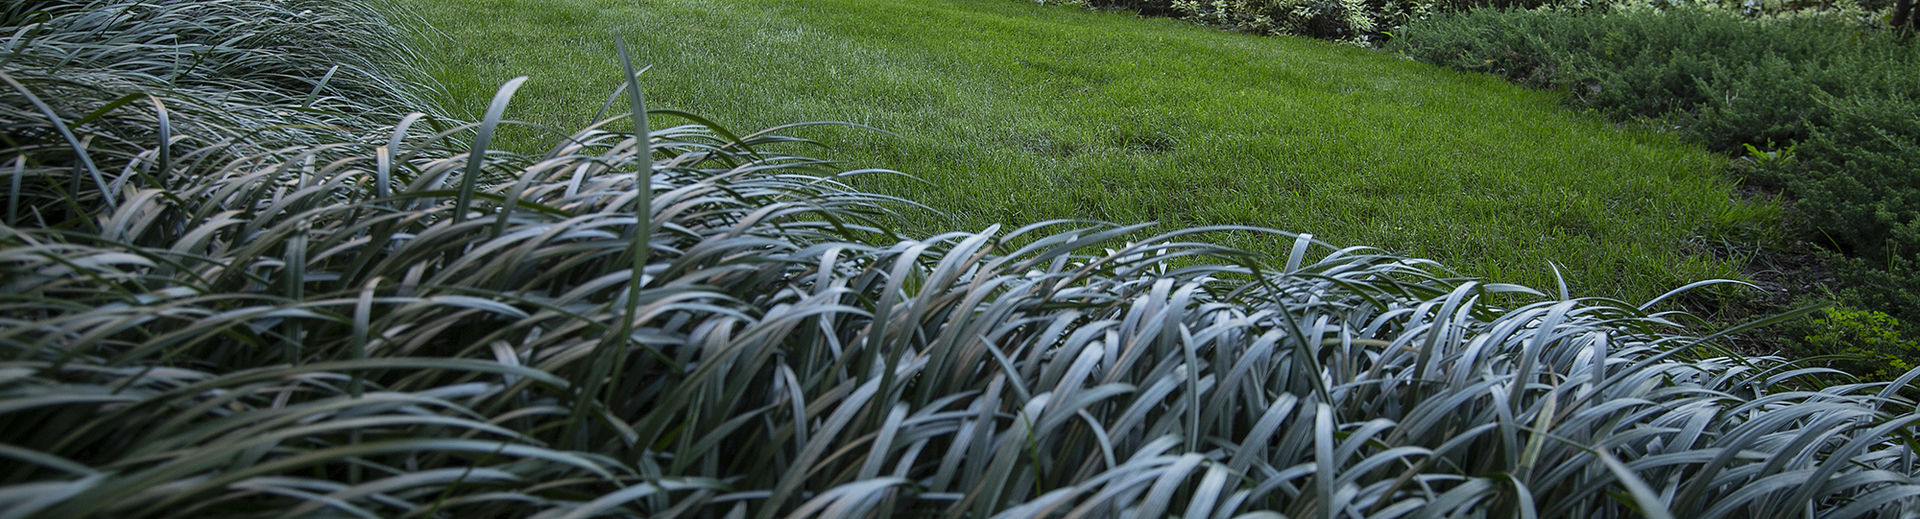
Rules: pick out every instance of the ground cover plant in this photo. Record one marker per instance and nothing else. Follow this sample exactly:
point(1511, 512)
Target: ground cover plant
point(403, 321)
point(1820, 107)
point(223, 81)
point(1016, 113)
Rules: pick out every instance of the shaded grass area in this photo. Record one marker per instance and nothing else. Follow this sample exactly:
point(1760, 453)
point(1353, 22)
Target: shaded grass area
point(1016, 113)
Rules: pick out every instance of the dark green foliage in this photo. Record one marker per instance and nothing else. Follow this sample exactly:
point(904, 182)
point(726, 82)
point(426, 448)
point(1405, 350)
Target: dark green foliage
point(1891, 282)
point(1725, 79)
point(1828, 106)
point(217, 80)
point(1858, 176)
point(1857, 180)
point(1354, 21)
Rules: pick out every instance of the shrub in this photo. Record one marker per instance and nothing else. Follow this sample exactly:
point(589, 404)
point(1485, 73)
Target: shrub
point(1352, 21)
point(1889, 283)
point(1858, 183)
point(1342, 20)
point(1826, 104)
point(1147, 7)
point(1857, 177)
point(1870, 343)
point(1724, 79)
point(1371, 22)
point(1364, 22)
point(679, 321)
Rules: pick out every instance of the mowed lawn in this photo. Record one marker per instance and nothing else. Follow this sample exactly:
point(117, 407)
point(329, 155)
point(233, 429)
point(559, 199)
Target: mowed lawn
point(1004, 111)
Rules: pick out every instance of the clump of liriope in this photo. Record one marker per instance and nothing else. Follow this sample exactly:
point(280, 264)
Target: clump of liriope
point(694, 323)
point(99, 93)
point(438, 346)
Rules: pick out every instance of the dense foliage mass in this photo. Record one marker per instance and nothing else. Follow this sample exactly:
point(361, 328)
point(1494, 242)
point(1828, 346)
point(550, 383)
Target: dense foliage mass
point(398, 322)
point(146, 88)
point(1371, 22)
point(1724, 78)
point(1353, 21)
point(1824, 108)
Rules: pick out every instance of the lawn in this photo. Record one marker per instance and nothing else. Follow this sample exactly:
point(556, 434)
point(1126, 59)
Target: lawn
point(1011, 112)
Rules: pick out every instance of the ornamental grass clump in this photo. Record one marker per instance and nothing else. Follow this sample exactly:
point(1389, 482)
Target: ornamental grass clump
point(676, 320)
point(149, 90)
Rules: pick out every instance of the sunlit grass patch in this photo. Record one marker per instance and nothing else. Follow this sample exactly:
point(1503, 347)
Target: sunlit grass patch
point(1011, 112)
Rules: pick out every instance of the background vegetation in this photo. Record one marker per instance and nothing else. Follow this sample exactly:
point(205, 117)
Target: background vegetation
point(293, 297)
point(1373, 22)
point(1759, 79)
point(1821, 106)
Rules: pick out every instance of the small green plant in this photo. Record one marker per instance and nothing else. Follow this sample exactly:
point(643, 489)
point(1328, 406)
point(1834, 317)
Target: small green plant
point(1871, 342)
point(1768, 158)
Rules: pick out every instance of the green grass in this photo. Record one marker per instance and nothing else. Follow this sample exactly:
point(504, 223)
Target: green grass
point(1016, 113)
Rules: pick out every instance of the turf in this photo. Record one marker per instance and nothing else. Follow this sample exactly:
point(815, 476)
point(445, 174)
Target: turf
point(1012, 112)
